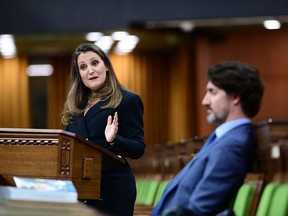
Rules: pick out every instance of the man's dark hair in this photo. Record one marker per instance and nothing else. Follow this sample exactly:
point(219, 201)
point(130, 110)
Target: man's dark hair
point(239, 79)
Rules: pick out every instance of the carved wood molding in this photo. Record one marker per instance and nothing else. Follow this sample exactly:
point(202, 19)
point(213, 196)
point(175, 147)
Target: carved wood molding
point(65, 158)
point(28, 141)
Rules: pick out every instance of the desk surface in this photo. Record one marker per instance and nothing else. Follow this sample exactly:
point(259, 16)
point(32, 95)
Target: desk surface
point(27, 208)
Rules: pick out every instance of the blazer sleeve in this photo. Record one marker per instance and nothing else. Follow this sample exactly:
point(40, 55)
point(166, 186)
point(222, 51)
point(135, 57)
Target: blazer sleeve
point(129, 141)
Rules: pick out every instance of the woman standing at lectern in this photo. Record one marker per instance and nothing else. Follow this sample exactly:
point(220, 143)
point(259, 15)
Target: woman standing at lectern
point(100, 109)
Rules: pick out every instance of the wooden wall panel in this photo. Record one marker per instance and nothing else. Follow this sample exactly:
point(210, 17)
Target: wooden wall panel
point(181, 95)
point(57, 90)
point(147, 75)
point(14, 93)
point(265, 49)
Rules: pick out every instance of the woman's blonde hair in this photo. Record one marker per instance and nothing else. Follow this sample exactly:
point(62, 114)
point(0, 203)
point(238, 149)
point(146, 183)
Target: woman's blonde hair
point(78, 93)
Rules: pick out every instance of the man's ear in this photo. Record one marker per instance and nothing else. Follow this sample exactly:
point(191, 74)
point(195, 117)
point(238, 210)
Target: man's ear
point(236, 99)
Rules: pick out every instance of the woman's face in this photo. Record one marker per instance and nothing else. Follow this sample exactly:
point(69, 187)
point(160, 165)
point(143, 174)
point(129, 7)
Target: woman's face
point(92, 70)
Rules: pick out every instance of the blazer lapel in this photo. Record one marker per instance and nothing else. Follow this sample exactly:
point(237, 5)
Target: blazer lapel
point(174, 182)
point(179, 176)
point(94, 110)
point(81, 125)
point(186, 169)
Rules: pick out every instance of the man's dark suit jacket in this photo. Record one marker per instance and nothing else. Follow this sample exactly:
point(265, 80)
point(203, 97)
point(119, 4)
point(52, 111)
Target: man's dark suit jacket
point(207, 183)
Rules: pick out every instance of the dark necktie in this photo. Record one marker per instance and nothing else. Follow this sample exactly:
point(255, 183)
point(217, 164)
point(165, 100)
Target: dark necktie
point(210, 140)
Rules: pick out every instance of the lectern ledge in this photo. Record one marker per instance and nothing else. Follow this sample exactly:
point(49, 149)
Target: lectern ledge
point(53, 154)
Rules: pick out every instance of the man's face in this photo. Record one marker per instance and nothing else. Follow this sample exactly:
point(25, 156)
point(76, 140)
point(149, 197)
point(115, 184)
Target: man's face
point(218, 104)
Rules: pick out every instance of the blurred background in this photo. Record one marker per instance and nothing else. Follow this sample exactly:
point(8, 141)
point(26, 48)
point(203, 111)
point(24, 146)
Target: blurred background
point(160, 49)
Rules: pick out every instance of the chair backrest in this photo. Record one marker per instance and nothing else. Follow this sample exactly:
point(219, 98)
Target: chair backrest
point(146, 189)
point(243, 199)
point(151, 191)
point(160, 190)
point(279, 203)
point(141, 187)
point(266, 199)
point(258, 179)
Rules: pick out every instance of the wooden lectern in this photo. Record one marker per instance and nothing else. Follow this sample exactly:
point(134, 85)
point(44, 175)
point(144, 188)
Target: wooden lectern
point(53, 154)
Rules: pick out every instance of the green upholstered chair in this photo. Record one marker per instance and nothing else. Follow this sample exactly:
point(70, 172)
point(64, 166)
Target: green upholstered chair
point(160, 190)
point(141, 186)
point(146, 190)
point(244, 199)
point(151, 191)
point(279, 202)
point(146, 193)
point(266, 198)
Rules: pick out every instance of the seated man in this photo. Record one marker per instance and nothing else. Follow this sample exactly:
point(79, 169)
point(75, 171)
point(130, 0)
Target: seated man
point(205, 186)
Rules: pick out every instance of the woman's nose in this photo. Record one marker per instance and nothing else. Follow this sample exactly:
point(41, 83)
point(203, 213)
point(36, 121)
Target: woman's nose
point(90, 70)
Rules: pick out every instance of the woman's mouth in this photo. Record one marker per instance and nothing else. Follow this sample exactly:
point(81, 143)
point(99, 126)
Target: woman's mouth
point(93, 78)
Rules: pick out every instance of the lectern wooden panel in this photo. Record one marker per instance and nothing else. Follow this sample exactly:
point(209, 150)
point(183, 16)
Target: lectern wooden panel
point(54, 154)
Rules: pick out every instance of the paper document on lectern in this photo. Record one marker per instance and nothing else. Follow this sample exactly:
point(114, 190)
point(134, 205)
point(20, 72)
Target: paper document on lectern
point(35, 189)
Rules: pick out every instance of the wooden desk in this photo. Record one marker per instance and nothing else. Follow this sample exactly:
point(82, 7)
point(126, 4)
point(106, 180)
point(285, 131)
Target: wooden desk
point(21, 208)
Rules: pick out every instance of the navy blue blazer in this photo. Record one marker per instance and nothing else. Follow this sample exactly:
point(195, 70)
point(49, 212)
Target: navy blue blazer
point(207, 183)
point(118, 190)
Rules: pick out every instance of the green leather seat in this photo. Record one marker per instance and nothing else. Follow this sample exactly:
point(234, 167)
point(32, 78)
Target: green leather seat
point(266, 198)
point(243, 199)
point(160, 190)
point(279, 202)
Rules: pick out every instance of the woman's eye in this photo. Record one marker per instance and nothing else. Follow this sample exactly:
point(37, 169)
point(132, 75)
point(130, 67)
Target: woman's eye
point(83, 67)
point(95, 63)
